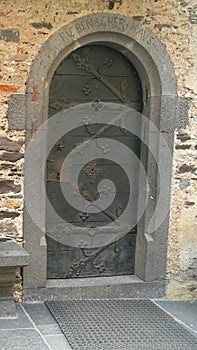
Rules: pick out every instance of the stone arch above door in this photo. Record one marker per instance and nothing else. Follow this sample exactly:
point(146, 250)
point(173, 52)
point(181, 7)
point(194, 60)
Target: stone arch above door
point(156, 72)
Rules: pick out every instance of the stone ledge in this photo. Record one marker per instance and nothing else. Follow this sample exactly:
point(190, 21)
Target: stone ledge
point(110, 288)
point(13, 255)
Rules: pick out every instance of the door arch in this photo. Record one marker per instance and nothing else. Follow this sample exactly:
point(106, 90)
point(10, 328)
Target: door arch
point(156, 73)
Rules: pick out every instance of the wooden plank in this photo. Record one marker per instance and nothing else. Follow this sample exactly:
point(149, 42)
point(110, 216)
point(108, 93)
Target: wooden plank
point(88, 88)
point(59, 260)
point(105, 59)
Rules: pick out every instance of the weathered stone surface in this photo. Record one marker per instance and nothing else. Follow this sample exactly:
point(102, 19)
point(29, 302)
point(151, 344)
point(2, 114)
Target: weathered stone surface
point(16, 112)
point(124, 286)
point(8, 214)
point(6, 166)
point(19, 57)
point(12, 254)
point(16, 172)
point(183, 136)
point(9, 145)
point(8, 88)
point(72, 12)
point(11, 203)
point(11, 156)
point(165, 25)
point(182, 113)
point(7, 280)
point(183, 146)
point(138, 18)
point(185, 168)
point(8, 228)
point(163, 112)
point(7, 186)
point(184, 183)
point(193, 14)
point(38, 25)
point(188, 203)
point(7, 308)
point(9, 35)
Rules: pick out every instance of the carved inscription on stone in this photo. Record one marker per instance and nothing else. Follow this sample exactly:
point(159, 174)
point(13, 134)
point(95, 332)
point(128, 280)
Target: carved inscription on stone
point(108, 22)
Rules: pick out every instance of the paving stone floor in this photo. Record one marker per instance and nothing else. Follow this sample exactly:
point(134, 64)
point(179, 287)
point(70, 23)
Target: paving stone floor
point(35, 329)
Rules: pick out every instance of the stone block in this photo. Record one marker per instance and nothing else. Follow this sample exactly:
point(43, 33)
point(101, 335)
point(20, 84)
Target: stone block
point(7, 281)
point(39, 25)
point(183, 136)
point(187, 168)
point(182, 109)
point(163, 113)
point(7, 186)
point(7, 308)
point(16, 112)
point(8, 89)
point(193, 14)
point(11, 156)
point(11, 203)
point(98, 288)
point(11, 254)
point(8, 214)
point(9, 35)
point(9, 145)
point(184, 183)
point(35, 244)
point(8, 228)
point(23, 339)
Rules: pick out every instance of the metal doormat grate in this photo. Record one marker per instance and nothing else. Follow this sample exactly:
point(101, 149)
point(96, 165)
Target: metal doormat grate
point(119, 325)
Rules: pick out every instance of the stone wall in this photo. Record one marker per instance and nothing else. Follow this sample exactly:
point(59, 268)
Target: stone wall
point(25, 26)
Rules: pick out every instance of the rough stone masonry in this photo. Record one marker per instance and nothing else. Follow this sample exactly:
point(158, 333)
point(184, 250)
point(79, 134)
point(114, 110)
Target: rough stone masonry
point(24, 26)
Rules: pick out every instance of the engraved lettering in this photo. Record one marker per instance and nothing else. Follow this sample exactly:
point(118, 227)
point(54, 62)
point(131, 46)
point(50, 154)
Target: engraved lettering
point(110, 22)
point(83, 25)
point(141, 33)
point(122, 24)
point(97, 23)
point(69, 32)
point(133, 27)
point(89, 23)
point(103, 21)
point(78, 27)
point(116, 22)
point(151, 41)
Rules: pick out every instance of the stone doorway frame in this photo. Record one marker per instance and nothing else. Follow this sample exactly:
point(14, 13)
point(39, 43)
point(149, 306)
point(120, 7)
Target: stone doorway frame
point(156, 72)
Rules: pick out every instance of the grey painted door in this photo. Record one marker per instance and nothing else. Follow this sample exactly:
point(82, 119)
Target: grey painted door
point(93, 73)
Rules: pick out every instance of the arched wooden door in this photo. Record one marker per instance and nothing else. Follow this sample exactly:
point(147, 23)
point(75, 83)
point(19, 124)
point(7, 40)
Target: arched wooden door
point(94, 73)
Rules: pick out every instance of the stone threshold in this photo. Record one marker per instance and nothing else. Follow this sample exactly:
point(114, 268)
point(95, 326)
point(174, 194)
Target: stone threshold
point(97, 288)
